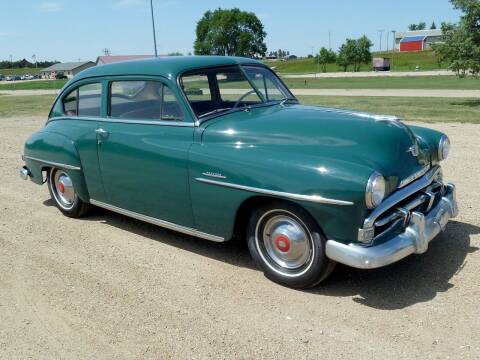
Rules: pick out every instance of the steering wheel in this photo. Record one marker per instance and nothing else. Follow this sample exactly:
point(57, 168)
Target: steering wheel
point(243, 97)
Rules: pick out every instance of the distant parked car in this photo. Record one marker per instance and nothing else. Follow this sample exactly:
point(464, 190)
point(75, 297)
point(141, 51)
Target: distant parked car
point(60, 77)
point(9, 78)
point(27, 77)
point(2, 77)
point(17, 77)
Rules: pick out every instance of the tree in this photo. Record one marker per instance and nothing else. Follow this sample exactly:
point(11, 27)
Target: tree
point(461, 48)
point(230, 32)
point(433, 26)
point(343, 58)
point(420, 26)
point(325, 57)
point(355, 52)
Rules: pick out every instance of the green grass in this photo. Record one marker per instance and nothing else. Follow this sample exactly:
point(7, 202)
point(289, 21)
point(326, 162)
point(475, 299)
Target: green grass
point(25, 105)
point(412, 109)
point(406, 61)
point(33, 85)
point(409, 82)
point(426, 109)
point(20, 71)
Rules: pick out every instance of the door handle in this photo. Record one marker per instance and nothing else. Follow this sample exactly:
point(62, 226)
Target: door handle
point(102, 133)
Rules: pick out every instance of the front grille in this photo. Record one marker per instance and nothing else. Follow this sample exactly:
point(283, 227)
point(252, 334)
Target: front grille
point(399, 216)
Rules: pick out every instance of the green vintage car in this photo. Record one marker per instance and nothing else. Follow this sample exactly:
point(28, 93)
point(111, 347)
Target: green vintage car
point(219, 148)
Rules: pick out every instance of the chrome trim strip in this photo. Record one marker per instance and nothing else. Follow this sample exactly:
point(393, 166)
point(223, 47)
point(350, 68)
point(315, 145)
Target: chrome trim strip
point(309, 198)
point(400, 195)
point(59, 165)
point(123, 121)
point(158, 222)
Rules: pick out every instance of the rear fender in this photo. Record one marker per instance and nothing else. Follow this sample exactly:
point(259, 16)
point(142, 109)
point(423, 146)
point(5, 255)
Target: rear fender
point(44, 150)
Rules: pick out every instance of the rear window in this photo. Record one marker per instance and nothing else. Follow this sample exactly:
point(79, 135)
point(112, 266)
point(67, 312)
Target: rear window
point(143, 100)
point(85, 100)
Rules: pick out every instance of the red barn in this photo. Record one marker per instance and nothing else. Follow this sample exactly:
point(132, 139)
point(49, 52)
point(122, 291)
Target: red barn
point(413, 43)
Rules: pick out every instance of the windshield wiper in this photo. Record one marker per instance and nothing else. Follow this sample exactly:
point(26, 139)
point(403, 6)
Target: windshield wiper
point(214, 112)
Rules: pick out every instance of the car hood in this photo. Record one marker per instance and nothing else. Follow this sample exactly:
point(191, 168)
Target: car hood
point(381, 143)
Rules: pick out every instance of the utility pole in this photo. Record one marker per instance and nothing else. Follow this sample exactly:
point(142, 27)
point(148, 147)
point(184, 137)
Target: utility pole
point(380, 32)
point(388, 40)
point(153, 28)
point(394, 32)
point(394, 46)
point(11, 61)
point(329, 40)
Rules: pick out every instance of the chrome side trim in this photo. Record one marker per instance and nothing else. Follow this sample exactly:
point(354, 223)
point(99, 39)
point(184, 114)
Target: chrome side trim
point(59, 165)
point(125, 121)
point(400, 195)
point(309, 198)
point(158, 222)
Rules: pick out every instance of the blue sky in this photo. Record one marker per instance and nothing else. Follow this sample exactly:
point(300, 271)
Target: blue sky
point(68, 30)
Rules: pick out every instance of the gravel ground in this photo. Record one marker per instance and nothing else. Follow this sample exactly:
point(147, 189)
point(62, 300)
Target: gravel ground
point(107, 286)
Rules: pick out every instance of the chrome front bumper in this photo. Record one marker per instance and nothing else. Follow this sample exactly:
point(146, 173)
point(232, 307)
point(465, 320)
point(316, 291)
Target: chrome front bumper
point(414, 240)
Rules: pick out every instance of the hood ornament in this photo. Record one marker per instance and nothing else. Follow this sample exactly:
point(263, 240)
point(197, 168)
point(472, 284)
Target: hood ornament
point(414, 150)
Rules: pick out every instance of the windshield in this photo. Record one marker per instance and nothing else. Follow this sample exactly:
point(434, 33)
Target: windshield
point(219, 90)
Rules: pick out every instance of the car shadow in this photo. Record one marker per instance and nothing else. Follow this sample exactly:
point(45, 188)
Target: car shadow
point(416, 279)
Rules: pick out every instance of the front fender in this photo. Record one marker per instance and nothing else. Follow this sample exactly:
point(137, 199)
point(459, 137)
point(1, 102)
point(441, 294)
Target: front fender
point(429, 140)
point(46, 149)
point(283, 171)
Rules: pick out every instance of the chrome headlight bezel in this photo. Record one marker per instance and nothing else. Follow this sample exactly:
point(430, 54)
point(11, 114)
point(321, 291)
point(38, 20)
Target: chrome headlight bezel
point(375, 190)
point(443, 148)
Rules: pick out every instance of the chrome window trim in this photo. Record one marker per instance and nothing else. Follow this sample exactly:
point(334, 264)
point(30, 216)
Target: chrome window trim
point(158, 222)
point(59, 165)
point(309, 198)
point(400, 195)
point(126, 121)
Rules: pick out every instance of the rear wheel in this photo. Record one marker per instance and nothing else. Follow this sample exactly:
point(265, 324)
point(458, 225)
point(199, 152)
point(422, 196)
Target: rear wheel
point(64, 195)
point(288, 246)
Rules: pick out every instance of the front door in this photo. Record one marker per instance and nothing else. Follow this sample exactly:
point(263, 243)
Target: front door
point(143, 151)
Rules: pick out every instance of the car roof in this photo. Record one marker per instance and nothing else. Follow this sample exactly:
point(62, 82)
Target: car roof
point(168, 66)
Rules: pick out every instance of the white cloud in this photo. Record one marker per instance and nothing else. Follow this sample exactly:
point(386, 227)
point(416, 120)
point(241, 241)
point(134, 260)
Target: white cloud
point(50, 6)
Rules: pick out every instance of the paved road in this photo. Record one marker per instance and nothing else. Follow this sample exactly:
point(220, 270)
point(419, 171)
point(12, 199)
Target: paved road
point(108, 287)
point(371, 74)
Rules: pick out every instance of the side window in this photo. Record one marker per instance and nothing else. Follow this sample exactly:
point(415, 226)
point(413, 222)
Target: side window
point(171, 109)
point(89, 99)
point(196, 87)
point(143, 100)
point(70, 103)
point(84, 101)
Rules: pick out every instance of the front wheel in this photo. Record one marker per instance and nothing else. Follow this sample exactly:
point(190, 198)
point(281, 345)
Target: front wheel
point(63, 193)
point(288, 246)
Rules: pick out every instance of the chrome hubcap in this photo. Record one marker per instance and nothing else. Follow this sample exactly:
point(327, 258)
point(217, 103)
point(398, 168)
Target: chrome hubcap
point(286, 242)
point(63, 190)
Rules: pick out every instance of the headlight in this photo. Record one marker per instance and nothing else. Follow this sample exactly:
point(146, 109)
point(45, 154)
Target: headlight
point(443, 148)
point(375, 191)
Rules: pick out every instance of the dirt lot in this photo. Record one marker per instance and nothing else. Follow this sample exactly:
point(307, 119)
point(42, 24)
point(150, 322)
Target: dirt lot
point(107, 286)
